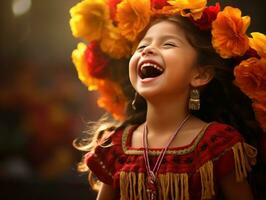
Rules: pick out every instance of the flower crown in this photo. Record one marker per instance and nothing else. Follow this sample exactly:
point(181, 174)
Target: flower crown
point(110, 28)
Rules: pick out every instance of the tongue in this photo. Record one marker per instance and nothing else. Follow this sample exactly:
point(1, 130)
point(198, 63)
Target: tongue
point(149, 72)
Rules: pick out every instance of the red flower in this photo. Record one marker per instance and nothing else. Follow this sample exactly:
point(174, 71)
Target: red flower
point(96, 60)
point(112, 5)
point(158, 4)
point(208, 16)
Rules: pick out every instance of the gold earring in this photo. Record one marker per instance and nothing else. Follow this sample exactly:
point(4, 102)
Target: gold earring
point(194, 100)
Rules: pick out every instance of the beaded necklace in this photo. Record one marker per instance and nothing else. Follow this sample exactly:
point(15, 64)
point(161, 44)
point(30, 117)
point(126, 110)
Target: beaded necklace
point(151, 174)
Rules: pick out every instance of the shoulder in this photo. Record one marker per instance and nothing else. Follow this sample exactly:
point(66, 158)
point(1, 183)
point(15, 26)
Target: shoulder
point(222, 134)
point(222, 152)
point(101, 160)
point(225, 147)
point(110, 141)
point(217, 139)
point(229, 151)
point(221, 127)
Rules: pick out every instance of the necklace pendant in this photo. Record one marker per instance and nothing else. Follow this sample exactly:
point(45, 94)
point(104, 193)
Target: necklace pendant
point(151, 186)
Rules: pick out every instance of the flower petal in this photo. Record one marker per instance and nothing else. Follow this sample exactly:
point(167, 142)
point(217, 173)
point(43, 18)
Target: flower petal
point(78, 58)
point(89, 19)
point(258, 43)
point(188, 8)
point(250, 77)
point(114, 44)
point(229, 33)
point(112, 99)
point(132, 17)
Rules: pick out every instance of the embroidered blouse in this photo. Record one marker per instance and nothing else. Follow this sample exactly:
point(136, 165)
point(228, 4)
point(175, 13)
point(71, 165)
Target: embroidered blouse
point(188, 172)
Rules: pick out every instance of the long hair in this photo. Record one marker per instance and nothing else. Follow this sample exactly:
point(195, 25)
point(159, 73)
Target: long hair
point(220, 98)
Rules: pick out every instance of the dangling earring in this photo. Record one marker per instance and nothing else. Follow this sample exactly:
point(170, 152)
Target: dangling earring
point(194, 100)
point(133, 104)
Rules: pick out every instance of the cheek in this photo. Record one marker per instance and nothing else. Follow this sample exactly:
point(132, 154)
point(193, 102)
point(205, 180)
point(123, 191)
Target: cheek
point(133, 68)
point(180, 68)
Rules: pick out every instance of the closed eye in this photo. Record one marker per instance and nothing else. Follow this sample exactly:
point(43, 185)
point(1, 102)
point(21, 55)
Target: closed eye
point(141, 47)
point(169, 44)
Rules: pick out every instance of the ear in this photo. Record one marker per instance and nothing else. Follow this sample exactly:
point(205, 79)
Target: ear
point(202, 76)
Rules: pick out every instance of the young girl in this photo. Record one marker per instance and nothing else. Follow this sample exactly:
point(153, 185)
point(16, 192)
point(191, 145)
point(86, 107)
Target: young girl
point(176, 140)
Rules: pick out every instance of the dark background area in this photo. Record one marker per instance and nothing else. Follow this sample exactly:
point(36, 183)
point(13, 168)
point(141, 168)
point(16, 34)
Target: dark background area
point(43, 105)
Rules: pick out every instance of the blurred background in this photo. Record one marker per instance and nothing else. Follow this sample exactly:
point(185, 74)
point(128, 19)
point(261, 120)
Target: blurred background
point(43, 105)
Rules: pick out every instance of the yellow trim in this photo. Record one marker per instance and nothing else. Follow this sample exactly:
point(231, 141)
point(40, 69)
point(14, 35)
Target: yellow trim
point(207, 184)
point(132, 186)
point(244, 156)
point(169, 186)
point(157, 151)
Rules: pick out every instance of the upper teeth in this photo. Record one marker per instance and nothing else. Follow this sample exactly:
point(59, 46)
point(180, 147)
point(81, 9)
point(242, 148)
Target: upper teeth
point(151, 64)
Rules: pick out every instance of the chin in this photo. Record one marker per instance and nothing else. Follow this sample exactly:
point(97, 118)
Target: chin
point(149, 94)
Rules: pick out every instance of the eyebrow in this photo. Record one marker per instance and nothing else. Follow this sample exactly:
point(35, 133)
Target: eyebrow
point(163, 37)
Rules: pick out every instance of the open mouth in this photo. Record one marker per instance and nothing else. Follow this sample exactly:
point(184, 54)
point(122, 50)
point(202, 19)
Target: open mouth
point(150, 70)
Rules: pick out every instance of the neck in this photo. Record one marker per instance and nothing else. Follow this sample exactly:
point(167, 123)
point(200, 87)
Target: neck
point(163, 116)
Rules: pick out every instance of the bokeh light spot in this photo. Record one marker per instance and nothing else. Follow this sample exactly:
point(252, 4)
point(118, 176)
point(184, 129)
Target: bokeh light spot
point(20, 7)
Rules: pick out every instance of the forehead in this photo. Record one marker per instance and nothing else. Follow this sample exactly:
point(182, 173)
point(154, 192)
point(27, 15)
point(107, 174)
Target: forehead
point(164, 27)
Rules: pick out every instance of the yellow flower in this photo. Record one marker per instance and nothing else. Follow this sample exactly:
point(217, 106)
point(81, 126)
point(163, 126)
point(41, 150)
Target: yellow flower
point(229, 33)
point(188, 8)
point(112, 99)
point(89, 19)
point(114, 44)
point(78, 58)
point(258, 42)
point(133, 16)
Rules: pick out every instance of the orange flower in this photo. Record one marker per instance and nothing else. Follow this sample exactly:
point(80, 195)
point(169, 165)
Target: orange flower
point(114, 44)
point(78, 57)
point(89, 19)
point(260, 113)
point(229, 33)
point(258, 42)
point(112, 99)
point(112, 6)
point(133, 16)
point(188, 8)
point(250, 77)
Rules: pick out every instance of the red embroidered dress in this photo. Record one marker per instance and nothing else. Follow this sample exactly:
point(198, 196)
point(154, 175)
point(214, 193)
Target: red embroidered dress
point(189, 172)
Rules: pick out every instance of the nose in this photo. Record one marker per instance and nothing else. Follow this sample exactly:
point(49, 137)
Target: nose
point(148, 51)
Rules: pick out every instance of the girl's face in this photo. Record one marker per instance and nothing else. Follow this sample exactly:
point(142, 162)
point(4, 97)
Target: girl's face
point(163, 63)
